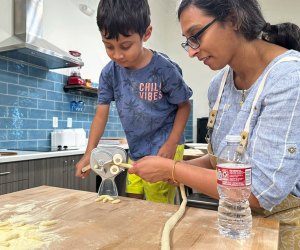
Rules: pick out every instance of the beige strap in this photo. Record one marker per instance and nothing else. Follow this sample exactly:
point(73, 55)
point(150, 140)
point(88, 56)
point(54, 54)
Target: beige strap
point(213, 113)
point(245, 132)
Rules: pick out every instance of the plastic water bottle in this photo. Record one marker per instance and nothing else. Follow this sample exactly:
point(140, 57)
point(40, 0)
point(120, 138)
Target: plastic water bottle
point(234, 187)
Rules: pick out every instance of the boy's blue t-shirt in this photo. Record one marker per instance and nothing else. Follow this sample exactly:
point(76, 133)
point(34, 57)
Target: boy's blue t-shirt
point(146, 100)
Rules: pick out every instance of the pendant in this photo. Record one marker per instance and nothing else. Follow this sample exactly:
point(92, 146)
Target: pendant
point(243, 98)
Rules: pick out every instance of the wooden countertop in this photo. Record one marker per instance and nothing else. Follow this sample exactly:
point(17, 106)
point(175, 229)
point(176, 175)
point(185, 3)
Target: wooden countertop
point(191, 153)
point(194, 150)
point(83, 223)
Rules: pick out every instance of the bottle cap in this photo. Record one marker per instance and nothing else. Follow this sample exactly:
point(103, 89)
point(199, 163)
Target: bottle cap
point(233, 138)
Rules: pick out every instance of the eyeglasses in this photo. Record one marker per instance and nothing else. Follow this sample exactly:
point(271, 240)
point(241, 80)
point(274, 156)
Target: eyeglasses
point(193, 41)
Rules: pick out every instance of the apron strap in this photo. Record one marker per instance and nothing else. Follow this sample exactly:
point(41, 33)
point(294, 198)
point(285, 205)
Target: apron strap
point(214, 111)
point(245, 133)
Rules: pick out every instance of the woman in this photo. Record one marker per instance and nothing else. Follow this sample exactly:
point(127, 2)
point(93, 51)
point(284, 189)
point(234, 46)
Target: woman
point(260, 99)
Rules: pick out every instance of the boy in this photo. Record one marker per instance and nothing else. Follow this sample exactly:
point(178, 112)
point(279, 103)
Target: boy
point(150, 95)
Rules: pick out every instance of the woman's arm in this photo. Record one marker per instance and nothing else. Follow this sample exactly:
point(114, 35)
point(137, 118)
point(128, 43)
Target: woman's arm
point(204, 180)
point(202, 161)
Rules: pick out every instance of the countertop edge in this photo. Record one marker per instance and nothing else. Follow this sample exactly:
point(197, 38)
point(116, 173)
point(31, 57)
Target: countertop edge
point(33, 155)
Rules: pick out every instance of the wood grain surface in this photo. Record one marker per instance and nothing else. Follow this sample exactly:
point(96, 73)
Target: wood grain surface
point(83, 223)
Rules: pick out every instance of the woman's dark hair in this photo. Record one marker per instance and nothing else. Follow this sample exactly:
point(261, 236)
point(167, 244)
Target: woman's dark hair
point(249, 19)
point(284, 34)
point(125, 17)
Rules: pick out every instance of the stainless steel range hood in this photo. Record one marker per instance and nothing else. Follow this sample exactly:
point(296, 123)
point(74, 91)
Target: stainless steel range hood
point(27, 44)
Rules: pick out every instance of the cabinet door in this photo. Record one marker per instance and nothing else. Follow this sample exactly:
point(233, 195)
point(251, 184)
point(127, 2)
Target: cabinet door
point(13, 171)
point(74, 182)
point(13, 186)
point(59, 172)
point(38, 173)
point(48, 171)
point(56, 171)
point(13, 176)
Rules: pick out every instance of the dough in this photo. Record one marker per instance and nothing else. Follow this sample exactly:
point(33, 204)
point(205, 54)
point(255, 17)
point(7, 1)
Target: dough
point(12, 237)
point(48, 223)
point(20, 224)
point(4, 244)
point(116, 201)
point(22, 231)
point(101, 197)
point(106, 198)
point(117, 159)
point(171, 222)
point(114, 169)
point(4, 223)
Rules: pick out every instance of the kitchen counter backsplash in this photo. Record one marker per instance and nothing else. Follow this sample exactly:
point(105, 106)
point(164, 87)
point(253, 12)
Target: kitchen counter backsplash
point(29, 99)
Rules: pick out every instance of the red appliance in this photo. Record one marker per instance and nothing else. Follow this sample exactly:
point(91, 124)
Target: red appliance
point(75, 76)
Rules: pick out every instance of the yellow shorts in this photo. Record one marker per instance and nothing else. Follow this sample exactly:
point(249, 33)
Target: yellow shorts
point(157, 192)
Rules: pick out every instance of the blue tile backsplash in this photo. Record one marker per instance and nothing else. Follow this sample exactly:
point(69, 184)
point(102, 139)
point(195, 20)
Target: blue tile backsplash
point(30, 97)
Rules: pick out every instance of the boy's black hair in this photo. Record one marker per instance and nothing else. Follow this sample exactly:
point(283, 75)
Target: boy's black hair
point(125, 17)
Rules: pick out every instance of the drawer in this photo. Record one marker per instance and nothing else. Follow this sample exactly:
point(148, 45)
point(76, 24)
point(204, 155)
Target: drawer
point(13, 171)
point(13, 186)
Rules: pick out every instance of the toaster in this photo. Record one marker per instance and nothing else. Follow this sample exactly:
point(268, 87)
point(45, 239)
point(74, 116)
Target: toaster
point(64, 139)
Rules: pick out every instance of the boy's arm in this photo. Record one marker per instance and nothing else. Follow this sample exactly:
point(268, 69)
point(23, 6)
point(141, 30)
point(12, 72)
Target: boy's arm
point(96, 131)
point(168, 150)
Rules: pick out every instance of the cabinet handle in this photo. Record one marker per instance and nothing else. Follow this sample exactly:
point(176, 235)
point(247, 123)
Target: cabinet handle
point(65, 166)
point(5, 173)
point(73, 165)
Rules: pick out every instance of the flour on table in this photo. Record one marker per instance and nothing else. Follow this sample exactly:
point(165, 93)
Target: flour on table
point(48, 223)
point(4, 212)
point(25, 208)
point(26, 226)
point(25, 236)
point(10, 206)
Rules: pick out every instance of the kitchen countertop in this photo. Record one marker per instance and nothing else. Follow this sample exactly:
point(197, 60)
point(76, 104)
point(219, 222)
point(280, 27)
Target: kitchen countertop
point(32, 155)
point(82, 223)
point(190, 153)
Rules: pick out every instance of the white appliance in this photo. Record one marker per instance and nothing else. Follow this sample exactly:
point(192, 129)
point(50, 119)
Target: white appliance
point(64, 139)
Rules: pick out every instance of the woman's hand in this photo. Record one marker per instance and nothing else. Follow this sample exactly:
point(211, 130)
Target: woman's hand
point(153, 168)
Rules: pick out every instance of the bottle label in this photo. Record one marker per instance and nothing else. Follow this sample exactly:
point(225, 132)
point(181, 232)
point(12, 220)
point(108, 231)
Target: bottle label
point(234, 175)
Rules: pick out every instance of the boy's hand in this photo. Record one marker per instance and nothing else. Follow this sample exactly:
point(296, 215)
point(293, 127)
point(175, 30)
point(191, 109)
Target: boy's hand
point(168, 150)
point(84, 161)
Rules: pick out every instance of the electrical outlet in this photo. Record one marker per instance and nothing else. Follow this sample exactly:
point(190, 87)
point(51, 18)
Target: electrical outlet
point(55, 122)
point(69, 122)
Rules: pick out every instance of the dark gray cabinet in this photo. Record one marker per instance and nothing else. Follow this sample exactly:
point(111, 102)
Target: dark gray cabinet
point(59, 172)
point(73, 182)
point(14, 176)
point(55, 171)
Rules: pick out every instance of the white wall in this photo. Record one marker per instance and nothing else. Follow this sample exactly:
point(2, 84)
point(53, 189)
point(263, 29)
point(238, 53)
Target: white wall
point(196, 74)
point(69, 29)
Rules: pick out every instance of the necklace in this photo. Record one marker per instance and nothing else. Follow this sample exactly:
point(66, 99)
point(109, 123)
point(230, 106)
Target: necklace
point(243, 97)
